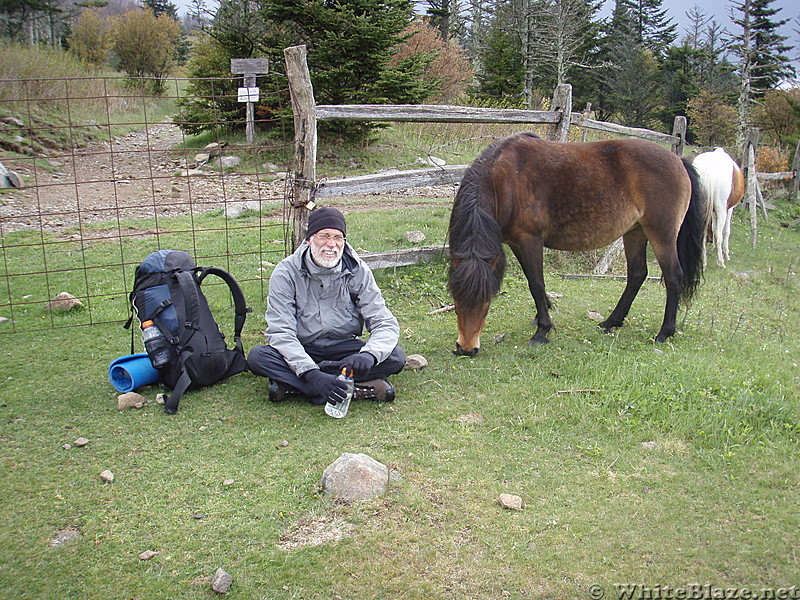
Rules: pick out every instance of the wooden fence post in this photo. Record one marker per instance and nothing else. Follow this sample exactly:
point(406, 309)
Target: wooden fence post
point(796, 171)
point(679, 130)
point(305, 138)
point(562, 102)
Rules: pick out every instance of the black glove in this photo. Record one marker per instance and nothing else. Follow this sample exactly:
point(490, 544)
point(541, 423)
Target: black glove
point(325, 385)
point(359, 363)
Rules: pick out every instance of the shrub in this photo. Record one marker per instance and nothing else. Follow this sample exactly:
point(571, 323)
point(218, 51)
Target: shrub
point(146, 45)
point(90, 39)
point(779, 116)
point(449, 68)
point(711, 120)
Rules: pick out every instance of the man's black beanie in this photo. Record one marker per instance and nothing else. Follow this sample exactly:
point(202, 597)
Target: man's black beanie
point(325, 217)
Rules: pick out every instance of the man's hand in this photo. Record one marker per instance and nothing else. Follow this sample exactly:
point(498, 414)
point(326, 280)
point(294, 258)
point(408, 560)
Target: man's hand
point(325, 385)
point(360, 363)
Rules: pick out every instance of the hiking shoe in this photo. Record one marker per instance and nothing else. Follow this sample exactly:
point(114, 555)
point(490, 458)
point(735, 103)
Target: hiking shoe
point(376, 389)
point(278, 391)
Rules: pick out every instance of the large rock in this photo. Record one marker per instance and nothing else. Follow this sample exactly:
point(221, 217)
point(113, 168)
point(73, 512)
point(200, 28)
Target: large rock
point(416, 362)
point(228, 162)
point(355, 477)
point(64, 302)
point(221, 582)
point(8, 178)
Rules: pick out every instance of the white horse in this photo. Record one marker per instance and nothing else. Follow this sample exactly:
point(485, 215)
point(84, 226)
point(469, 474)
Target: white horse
point(723, 184)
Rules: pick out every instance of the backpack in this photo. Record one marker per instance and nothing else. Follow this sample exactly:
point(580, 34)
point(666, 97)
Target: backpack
point(166, 290)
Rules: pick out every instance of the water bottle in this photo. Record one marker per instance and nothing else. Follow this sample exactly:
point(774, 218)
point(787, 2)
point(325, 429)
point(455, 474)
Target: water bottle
point(158, 348)
point(335, 407)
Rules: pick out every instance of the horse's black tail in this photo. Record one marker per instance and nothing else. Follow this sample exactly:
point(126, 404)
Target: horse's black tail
point(477, 259)
point(691, 236)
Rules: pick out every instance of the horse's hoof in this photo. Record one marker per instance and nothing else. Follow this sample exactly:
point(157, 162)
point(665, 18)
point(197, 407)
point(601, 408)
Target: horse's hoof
point(608, 327)
point(538, 341)
point(461, 351)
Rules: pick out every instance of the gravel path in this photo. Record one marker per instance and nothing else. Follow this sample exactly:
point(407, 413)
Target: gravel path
point(140, 175)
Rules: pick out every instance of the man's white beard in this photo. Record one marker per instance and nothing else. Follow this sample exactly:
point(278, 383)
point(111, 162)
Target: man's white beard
point(325, 256)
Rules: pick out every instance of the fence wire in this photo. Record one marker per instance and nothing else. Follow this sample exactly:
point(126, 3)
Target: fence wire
point(107, 175)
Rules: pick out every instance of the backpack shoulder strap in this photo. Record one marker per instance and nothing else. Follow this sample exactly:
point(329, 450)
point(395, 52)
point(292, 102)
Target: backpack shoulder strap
point(188, 286)
point(239, 303)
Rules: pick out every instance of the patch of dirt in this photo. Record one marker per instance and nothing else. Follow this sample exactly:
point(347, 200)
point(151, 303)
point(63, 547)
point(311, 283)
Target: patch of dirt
point(314, 531)
point(141, 175)
point(64, 536)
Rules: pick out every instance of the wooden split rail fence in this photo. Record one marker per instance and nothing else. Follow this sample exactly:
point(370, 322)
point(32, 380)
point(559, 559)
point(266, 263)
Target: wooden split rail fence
point(307, 189)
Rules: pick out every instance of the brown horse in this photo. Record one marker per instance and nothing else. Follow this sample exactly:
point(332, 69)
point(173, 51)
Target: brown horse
point(531, 193)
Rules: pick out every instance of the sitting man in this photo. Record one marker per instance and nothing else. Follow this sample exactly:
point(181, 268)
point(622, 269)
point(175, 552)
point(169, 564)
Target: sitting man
point(320, 299)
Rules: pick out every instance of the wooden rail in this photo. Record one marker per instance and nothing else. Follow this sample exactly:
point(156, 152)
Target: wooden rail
point(306, 114)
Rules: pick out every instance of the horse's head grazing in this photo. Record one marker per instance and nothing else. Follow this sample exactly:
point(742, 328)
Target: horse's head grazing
point(477, 260)
point(470, 325)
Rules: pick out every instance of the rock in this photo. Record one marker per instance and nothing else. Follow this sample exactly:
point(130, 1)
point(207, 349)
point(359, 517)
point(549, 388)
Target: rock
point(201, 158)
point(415, 362)
point(67, 446)
point(282, 444)
point(64, 302)
point(415, 237)
point(107, 476)
point(234, 210)
point(432, 161)
point(147, 555)
point(228, 162)
point(221, 582)
point(81, 441)
point(510, 501)
point(594, 315)
point(271, 167)
point(214, 148)
point(8, 178)
point(649, 445)
point(12, 121)
point(130, 400)
point(190, 172)
point(228, 482)
point(355, 477)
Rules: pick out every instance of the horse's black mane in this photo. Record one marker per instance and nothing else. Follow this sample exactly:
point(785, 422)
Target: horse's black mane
point(477, 259)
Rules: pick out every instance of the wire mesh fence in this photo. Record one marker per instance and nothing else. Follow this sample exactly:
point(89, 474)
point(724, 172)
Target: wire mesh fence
point(101, 174)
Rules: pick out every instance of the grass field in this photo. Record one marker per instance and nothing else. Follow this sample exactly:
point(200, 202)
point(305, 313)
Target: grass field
point(638, 464)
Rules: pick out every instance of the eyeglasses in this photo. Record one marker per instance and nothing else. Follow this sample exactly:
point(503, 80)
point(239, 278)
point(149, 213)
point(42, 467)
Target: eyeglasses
point(325, 237)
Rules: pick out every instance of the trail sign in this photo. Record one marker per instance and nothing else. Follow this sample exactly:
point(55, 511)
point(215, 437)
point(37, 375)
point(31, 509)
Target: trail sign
point(249, 68)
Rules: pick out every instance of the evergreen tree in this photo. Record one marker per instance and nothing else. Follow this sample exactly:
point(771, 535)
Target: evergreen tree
point(629, 75)
point(633, 84)
point(162, 7)
point(761, 62)
point(647, 23)
point(769, 63)
point(502, 74)
point(350, 43)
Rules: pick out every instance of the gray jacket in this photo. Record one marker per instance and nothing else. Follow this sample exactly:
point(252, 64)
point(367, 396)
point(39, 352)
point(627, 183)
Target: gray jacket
point(311, 305)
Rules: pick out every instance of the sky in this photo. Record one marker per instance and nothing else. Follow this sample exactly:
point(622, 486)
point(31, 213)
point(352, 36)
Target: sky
point(720, 11)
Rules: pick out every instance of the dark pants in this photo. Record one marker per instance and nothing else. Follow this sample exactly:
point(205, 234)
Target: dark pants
point(268, 362)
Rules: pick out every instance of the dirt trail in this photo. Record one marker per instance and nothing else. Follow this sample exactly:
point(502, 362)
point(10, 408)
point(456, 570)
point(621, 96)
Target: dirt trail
point(136, 175)
point(139, 175)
